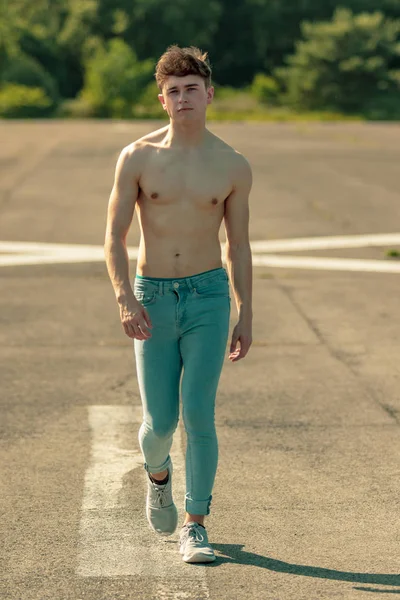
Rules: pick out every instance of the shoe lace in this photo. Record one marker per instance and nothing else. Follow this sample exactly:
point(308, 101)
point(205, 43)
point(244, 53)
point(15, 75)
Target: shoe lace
point(161, 492)
point(194, 532)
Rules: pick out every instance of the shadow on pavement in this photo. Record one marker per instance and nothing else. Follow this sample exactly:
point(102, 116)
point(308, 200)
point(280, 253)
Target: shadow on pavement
point(376, 591)
point(234, 553)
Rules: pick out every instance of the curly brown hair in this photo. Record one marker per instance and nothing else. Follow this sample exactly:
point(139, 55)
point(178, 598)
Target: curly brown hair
point(179, 62)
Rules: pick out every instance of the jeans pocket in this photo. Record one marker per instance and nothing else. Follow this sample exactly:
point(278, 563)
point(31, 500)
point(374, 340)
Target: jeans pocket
point(212, 289)
point(146, 297)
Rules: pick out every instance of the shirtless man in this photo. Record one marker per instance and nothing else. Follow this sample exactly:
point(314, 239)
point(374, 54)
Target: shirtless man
point(183, 181)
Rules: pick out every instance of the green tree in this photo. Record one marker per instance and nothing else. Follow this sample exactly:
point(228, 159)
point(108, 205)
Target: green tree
point(255, 36)
point(236, 50)
point(29, 31)
point(243, 38)
point(115, 79)
point(20, 101)
point(344, 64)
point(265, 89)
point(25, 70)
point(156, 24)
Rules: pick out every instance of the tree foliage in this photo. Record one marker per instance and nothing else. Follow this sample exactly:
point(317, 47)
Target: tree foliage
point(265, 89)
point(115, 79)
point(24, 70)
point(63, 39)
point(344, 63)
point(21, 101)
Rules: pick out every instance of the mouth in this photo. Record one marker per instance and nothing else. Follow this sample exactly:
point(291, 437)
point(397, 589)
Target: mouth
point(183, 109)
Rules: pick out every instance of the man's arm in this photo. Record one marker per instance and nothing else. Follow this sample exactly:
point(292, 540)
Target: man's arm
point(121, 207)
point(238, 256)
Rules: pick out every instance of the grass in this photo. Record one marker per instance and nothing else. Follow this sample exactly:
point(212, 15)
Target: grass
point(392, 253)
point(228, 105)
point(278, 114)
point(240, 105)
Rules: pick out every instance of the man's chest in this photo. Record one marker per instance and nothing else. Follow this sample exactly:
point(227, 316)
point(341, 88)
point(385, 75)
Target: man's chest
point(172, 179)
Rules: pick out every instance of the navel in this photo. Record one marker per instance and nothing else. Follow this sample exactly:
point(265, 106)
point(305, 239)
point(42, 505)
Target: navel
point(177, 254)
point(214, 201)
point(154, 195)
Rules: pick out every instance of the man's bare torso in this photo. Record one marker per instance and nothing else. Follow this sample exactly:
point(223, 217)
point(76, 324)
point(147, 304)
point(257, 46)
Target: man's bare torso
point(181, 203)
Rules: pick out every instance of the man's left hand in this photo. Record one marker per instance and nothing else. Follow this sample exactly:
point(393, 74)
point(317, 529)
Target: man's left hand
point(241, 335)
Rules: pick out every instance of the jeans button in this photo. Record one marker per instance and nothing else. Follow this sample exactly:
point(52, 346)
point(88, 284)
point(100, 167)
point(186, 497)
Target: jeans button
point(176, 284)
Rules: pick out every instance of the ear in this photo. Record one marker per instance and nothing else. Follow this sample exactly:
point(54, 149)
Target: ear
point(210, 94)
point(161, 99)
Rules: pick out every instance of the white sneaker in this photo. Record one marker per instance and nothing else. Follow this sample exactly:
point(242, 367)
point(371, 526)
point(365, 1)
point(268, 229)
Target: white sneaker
point(161, 511)
point(194, 545)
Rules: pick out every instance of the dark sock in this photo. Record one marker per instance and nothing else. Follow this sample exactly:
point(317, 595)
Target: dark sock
point(162, 482)
point(198, 524)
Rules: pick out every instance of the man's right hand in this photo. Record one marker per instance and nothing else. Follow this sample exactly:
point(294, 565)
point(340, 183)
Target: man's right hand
point(135, 320)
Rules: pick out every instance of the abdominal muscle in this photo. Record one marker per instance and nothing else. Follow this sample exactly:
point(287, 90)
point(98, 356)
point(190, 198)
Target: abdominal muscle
point(178, 249)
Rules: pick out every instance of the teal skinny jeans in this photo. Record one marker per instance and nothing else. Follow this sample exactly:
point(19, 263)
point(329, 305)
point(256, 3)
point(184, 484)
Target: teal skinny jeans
point(183, 358)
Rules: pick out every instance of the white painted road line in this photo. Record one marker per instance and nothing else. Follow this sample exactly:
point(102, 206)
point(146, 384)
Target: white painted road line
point(327, 243)
point(110, 454)
point(326, 264)
point(31, 253)
point(113, 540)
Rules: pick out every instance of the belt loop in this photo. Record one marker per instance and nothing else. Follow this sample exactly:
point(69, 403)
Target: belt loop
point(160, 288)
point(189, 284)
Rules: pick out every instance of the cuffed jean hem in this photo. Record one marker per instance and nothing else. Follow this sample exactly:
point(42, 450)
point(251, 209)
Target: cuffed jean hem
point(198, 507)
point(159, 468)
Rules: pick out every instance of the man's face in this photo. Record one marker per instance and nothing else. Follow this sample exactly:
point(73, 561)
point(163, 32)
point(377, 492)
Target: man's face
point(185, 98)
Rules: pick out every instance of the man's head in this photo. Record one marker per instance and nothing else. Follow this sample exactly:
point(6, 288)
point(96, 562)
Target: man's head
point(183, 76)
point(179, 62)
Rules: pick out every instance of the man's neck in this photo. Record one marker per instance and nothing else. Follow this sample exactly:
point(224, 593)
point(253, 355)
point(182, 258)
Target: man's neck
point(189, 135)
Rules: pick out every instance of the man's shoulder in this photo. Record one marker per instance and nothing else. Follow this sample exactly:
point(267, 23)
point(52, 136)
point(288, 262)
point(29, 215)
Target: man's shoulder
point(136, 153)
point(234, 158)
point(147, 142)
point(236, 164)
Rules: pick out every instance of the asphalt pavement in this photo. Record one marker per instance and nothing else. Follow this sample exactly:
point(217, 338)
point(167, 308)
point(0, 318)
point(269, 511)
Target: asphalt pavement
point(306, 500)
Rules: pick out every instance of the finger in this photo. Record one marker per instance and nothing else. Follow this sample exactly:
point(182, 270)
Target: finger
point(233, 344)
point(144, 327)
point(236, 357)
point(244, 348)
point(144, 330)
point(147, 319)
point(137, 332)
point(242, 353)
point(128, 330)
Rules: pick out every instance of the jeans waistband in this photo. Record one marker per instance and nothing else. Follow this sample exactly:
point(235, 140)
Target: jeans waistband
point(163, 283)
